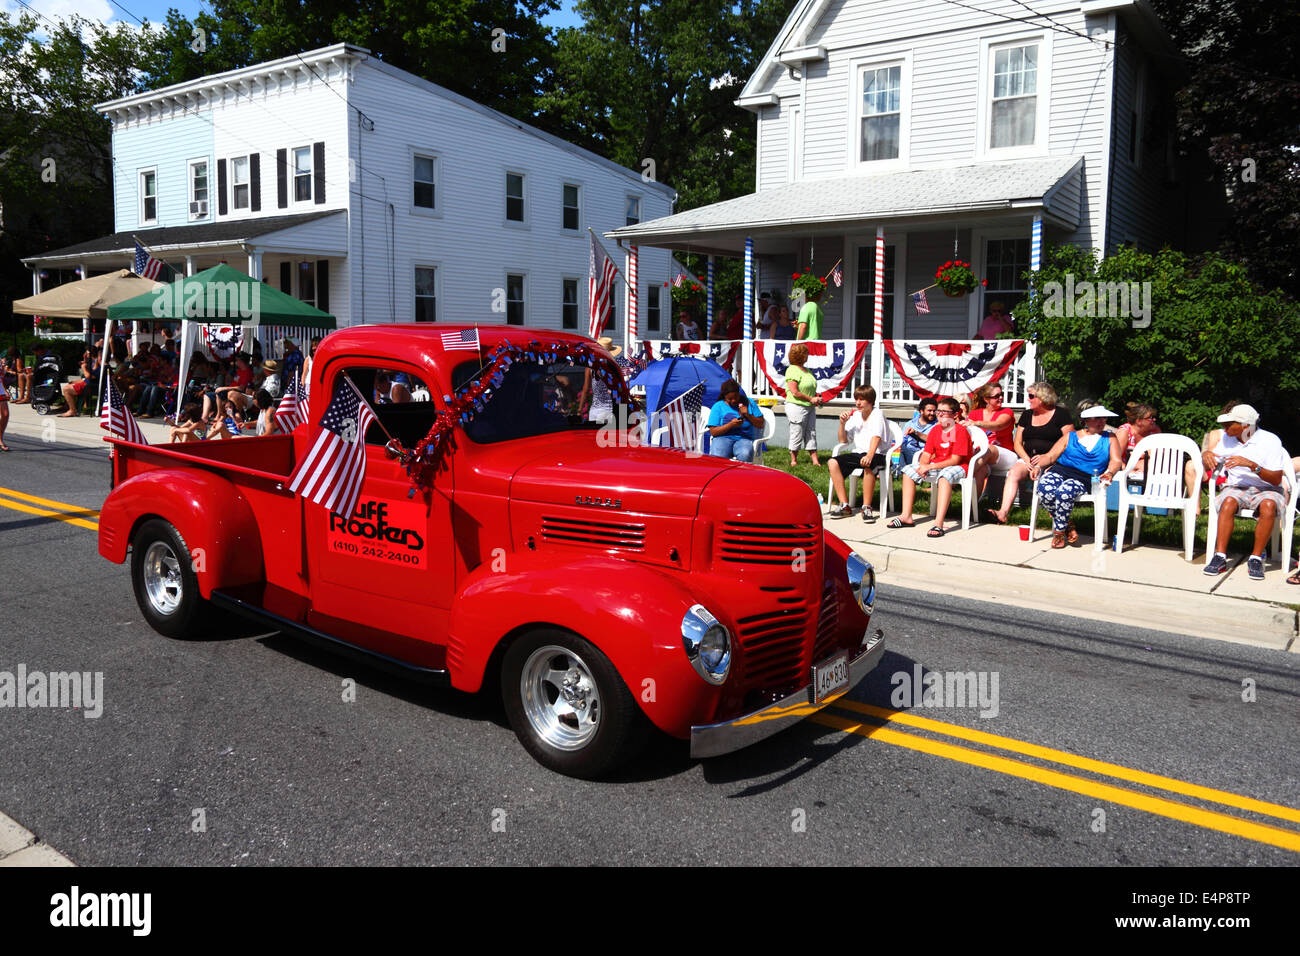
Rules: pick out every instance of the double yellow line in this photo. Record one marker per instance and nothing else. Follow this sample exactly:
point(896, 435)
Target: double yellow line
point(877, 727)
point(56, 510)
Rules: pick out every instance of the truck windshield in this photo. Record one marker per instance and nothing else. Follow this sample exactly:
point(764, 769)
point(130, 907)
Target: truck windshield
point(531, 400)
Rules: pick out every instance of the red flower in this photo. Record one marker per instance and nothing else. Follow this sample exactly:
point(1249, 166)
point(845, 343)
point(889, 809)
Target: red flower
point(795, 276)
point(984, 282)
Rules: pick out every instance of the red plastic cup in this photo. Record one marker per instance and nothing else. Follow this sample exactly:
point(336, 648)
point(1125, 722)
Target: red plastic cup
point(1024, 532)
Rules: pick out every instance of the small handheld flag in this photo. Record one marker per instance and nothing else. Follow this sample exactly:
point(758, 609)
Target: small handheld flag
point(466, 340)
point(918, 300)
point(117, 419)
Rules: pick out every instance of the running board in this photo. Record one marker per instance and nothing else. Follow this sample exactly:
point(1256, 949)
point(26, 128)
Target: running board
point(425, 675)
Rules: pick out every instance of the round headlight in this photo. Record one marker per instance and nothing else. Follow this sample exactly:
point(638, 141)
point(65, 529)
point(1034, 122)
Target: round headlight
point(707, 644)
point(862, 580)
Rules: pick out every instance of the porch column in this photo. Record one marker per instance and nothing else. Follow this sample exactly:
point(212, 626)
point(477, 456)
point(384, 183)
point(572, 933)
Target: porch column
point(259, 331)
point(189, 265)
point(1035, 249)
point(747, 349)
point(85, 323)
point(878, 319)
point(708, 299)
point(630, 330)
point(36, 280)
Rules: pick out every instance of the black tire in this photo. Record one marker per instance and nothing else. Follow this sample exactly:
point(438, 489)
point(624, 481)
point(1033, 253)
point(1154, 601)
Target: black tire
point(166, 587)
point(40, 408)
point(590, 741)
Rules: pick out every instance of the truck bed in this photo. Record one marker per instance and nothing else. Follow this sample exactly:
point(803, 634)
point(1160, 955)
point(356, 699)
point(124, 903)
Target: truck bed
point(270, 457)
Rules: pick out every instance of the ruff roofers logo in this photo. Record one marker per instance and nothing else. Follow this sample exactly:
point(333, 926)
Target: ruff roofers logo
point(381, 531)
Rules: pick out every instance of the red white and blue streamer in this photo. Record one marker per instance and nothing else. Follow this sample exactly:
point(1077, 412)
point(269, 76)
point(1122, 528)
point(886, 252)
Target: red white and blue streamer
point(832, 363)
point(951, 368)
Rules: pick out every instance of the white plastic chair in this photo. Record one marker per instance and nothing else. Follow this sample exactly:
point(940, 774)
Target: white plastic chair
point(969, 506)
point(1096, 496)
point(769, 429)
point(886, 481)
point(1163, 486)
point(1283, 529)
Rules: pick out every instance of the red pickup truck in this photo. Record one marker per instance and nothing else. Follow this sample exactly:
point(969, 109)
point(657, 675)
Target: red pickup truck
point(602, 586)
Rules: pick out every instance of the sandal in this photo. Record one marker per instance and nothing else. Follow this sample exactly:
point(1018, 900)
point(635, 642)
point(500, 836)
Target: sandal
point(1071, 535)
point(1058, 539)
point(935, 532)
point(1293, 579)
point(899, 523)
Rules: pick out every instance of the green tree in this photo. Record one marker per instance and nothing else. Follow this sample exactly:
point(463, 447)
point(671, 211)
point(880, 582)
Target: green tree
point(1213, 335)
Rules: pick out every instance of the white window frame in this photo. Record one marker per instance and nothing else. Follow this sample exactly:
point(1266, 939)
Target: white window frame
point(857, 67)
point(640, 208)
point(230, 166)
point(523, 274)
point(563, 207)
point(419, 153)
point(189, 187)
point(989, 46)
point(140, 175)
point(293, 176)
point(505, 197)
point(979, 246)
point(577, 302)
point(437, 281)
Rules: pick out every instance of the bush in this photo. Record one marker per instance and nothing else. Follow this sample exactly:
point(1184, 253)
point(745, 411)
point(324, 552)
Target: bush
point(1210, 335)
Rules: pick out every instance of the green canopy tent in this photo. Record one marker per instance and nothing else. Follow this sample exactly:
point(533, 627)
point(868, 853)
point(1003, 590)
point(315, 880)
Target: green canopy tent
point(221, 294)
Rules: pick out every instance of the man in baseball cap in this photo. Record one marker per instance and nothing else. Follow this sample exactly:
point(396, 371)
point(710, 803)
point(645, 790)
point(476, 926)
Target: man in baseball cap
point(1254, 463)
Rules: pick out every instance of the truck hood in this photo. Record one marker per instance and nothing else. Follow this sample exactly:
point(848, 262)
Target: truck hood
point(574, 470)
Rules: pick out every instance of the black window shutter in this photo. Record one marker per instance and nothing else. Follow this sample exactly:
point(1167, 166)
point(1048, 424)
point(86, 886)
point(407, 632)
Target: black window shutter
point(286, 277)
point(255, 181)
point(323, 284)
point(221, 186)
point(281, 178)
point(318, 170)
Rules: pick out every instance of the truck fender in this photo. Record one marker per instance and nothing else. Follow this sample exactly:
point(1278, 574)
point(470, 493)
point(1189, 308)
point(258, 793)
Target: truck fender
point(633, 616)
point(214, 520)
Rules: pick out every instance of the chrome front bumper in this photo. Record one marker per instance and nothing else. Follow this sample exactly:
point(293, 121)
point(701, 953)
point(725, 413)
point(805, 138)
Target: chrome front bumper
point(712, 740)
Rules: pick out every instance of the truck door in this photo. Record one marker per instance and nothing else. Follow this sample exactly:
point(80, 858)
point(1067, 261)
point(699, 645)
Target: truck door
point(383, 577)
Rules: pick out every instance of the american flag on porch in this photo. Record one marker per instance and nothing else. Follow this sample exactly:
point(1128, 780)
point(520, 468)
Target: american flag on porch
point(600, 289)
point(837, 275)
point(918, 300)
point(117, 419)
point(146, 266)
point(682, 416)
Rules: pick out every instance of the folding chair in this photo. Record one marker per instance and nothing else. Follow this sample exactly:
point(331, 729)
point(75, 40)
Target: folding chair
point(1096, 496)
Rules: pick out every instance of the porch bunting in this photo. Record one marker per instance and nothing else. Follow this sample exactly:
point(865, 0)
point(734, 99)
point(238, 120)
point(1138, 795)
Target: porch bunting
point(951, 368)
point(831, 363)
point(709, 350)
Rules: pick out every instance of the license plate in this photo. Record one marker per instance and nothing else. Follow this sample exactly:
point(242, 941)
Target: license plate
point(830, 677)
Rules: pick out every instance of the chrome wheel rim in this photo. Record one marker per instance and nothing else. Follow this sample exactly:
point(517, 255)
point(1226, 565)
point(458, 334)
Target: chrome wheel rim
point(162, 578)
point(560, 698)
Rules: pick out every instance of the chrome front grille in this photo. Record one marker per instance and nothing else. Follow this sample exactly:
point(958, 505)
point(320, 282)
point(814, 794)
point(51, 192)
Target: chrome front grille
point(756, 543)
point(772, 646)
point(624, 536)
point(826, 623)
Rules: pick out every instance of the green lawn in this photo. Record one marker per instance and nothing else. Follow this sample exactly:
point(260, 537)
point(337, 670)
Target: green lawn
point(1156, 529)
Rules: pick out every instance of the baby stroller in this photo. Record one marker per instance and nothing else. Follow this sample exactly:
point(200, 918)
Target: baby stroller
point(47, 381)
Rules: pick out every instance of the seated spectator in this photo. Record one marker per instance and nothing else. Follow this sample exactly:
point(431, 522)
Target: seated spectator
point(963, 412)
point(1141, 423)
point(687, 329)
point(998, 423)
point(1068, 469)
point(189, 425)
point(242, 379)
point(943, 461)
point(785, 331)
point(732, 421)
point(269, 377)
point(996, 322)
point(1041, 426)
point(154, 395)
point(1255, 469)
point(266, 423)
point(918, 429)
point(868, 432)
point(72, 391)
point(718, 328)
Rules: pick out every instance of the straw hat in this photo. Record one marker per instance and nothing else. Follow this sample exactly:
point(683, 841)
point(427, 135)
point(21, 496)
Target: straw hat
point(606, 343)
point(271, 365)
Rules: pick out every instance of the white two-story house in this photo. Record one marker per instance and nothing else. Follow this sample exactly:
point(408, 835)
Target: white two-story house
point(370, 193)
point(944, 130)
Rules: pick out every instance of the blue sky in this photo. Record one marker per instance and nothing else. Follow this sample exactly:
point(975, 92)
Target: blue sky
point(155, 11)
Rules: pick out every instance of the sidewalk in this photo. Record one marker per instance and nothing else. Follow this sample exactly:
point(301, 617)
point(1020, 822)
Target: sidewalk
point(20, 847)
point(83, 430)
point(1147, 586)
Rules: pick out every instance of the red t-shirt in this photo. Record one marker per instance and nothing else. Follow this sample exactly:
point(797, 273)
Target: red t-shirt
point(1003, 437)
point(957, 443)
point(243, 377)
point(736, 325)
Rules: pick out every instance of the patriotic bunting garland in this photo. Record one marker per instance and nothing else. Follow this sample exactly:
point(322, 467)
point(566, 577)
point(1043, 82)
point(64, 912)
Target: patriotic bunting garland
point(951, 368)
point(831, 363)
point(709, 350)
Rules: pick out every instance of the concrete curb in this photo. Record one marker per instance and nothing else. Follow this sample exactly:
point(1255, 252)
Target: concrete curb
point(1218, 617)
point(20, 847)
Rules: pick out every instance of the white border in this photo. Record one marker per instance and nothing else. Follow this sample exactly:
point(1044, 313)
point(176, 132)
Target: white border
point(900, 58)
point(984, 106)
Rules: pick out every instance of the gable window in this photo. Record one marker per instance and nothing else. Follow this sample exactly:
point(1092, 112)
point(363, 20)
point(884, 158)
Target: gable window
point(424, 178)
point(570, 208)
point(302, 174)
point(882, 102)
point(149, 196)
point(198, 189)
point(239, 185)
point(633, 210)
point(515, 299)
point(569, 304)
point(426, 294)
point(514, 197)
point(1014, 103)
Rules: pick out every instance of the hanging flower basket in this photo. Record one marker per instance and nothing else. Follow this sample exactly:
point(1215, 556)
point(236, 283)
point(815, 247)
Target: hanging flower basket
point(808, 283)
point(687, 295)
point(956, 278)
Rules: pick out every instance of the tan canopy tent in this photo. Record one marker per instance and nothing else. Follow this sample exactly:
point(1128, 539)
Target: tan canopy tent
point(86, 298)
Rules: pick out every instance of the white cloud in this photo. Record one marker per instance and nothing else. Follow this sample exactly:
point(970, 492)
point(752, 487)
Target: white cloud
point(100, 10)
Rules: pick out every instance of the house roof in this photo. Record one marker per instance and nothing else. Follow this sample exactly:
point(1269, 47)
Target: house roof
point(228, 232)
point(1048, 184)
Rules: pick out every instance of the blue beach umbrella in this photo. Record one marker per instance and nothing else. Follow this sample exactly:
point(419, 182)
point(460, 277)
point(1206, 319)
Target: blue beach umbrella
point(669, 377)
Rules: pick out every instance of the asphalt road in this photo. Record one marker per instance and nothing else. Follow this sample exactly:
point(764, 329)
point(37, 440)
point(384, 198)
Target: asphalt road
point(253, 731)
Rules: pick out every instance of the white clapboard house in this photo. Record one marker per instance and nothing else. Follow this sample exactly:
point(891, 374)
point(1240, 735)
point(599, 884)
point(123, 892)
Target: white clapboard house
point(944, 130)
point(370, 193)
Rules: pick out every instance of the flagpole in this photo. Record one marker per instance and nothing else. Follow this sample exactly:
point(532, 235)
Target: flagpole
point(830, 270)
point(609, 257)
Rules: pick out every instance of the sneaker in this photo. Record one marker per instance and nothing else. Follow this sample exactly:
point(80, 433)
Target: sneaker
point(1255, 566)
point(843, 511)
point(1218, 564)
point(868, 515)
